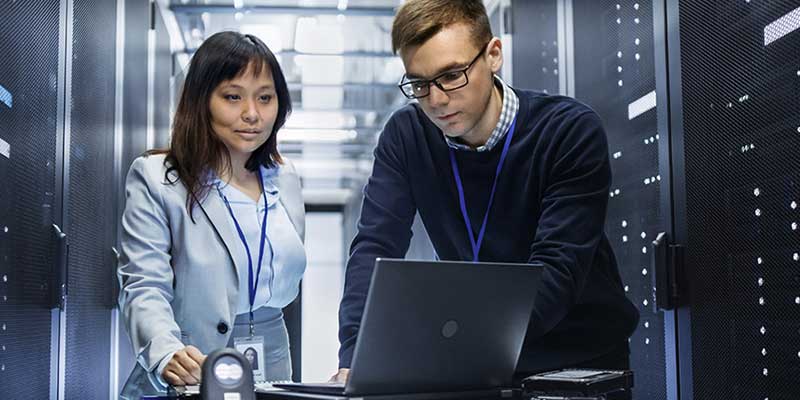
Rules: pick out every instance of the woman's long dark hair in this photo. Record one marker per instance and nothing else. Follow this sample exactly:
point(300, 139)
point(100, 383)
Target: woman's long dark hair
point(195, 150)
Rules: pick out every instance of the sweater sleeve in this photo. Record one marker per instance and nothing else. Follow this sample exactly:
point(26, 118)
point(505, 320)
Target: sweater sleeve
point(384, 230)
point(573, 209)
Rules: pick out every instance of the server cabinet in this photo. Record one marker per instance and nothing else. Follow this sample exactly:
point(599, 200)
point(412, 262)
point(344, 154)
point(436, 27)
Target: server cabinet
point(139, 30)
point(535, 49)
point(734, 73)
point(89, 198)
point(614, 73)
point(162, 74)
point(135, 88)
point(30, 153)
point(607, 49)
point(714, 167)
point(602, 53)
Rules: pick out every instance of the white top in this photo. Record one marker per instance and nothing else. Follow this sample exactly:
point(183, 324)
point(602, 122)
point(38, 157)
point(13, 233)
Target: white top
point(279, 282)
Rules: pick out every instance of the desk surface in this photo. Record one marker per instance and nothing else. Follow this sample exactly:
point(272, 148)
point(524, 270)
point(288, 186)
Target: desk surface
point(494, 394)
point(280, 394)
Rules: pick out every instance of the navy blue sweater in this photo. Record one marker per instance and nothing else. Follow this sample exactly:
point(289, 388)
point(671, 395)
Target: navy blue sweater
point(549, 208)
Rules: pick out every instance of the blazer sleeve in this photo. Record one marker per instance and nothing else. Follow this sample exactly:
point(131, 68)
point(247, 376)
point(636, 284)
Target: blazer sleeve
point(145, 272)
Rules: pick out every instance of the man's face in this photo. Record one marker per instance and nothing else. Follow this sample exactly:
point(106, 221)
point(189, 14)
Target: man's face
point(459, 112)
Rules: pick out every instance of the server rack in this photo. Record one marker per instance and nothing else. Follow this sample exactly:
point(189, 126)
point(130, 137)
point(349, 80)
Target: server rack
point(31, 116)
point(162, 106)
point(535, 50)
point(57, 220)
point(705, 95)
point(734, 79)
point(89, 204)
point(602, 53)
point(614, 73)
point(143, 125)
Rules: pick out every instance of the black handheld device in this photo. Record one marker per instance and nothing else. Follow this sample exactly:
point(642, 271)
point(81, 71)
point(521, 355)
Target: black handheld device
point(227, 375)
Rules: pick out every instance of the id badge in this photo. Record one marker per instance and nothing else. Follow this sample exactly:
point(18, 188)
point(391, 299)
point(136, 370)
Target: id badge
point(252, 347)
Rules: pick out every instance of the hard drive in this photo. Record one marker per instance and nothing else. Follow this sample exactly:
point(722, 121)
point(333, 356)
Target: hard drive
point(575, 384)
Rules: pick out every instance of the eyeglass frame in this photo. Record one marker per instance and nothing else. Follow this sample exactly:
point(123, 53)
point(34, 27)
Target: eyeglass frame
point(435, 80)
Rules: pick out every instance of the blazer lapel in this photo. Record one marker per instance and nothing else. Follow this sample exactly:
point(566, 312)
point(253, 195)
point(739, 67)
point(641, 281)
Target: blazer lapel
point(217, 214)
point(292, 201)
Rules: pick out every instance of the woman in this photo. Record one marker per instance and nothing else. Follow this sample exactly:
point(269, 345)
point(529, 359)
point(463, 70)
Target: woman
point(252, 357)
point(213, 226)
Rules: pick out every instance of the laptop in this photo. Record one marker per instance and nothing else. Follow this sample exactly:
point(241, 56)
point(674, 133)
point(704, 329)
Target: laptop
point(438, 326)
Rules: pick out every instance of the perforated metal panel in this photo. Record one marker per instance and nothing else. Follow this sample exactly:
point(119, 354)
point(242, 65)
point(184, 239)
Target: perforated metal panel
point(91, 224)
point(535, 45)
point(615, 75)
point(134, 126)
point(741, 96)
point(28, 116)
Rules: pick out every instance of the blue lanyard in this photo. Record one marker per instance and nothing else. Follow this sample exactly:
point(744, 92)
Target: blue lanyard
point(476, 243)
point(252, 284)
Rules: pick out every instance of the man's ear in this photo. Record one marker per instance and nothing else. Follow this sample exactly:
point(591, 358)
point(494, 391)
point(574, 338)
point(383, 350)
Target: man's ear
point(495, 53)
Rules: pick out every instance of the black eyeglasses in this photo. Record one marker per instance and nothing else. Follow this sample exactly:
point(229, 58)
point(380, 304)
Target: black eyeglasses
point(445, 81)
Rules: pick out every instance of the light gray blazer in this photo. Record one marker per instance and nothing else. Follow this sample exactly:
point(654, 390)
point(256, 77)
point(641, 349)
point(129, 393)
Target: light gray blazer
point(178, 278)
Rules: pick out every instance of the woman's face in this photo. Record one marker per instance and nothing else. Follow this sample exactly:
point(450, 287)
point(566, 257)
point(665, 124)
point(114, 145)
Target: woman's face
point(243, 111)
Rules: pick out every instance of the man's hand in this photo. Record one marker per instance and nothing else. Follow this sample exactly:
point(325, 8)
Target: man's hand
point(185, 367)
point(341, 376)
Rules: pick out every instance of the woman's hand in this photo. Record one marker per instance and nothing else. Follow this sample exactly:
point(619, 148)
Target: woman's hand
point(185, 367)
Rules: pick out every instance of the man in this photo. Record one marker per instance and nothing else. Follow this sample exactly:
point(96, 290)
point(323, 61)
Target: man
point(496, 174)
